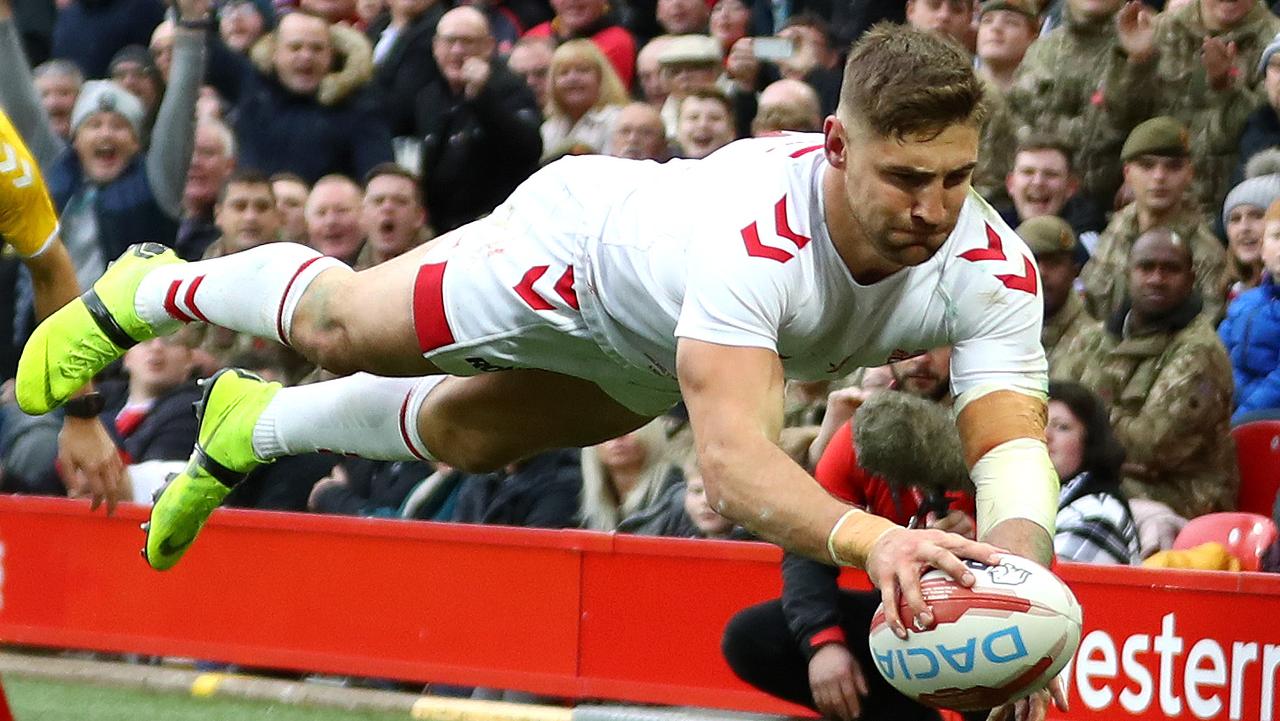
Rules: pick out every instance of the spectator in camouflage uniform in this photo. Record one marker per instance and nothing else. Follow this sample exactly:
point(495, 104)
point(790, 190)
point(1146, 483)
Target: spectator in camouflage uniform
point(1005, 29)
point(1057, 92)
point(1158, 169)
point(1198, 64)
point(1053, 244)
point(1161, 368)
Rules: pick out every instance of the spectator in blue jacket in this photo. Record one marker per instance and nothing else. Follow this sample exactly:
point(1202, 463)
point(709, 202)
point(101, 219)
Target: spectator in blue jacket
point(1251, 331)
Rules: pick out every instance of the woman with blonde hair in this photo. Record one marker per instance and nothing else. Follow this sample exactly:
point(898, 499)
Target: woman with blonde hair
point(584, 98)
point(625, 475)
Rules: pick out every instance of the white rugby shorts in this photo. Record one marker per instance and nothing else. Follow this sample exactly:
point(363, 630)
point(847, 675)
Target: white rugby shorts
point(500, 293)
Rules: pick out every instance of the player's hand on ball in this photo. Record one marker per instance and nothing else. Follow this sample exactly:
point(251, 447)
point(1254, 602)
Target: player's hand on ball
point(1034, 707)
point(837, 683)
point(901, 556)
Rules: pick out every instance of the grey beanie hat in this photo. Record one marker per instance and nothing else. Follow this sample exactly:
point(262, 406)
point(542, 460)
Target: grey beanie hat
point(107, 96)
point(1272, 48)
point(1259, 192)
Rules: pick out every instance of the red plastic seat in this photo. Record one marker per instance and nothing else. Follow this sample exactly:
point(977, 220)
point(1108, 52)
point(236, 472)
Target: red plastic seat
point(1246, 535)
point(1258, 456)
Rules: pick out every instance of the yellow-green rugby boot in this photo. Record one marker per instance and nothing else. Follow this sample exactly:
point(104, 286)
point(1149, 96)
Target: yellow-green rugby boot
point(81, 338)
point(232, 402)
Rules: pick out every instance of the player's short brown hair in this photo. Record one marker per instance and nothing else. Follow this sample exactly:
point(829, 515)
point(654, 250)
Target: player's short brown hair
point(900, 81)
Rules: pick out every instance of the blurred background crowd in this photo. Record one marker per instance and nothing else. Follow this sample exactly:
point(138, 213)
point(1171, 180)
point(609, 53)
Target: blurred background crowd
point(1132, 146)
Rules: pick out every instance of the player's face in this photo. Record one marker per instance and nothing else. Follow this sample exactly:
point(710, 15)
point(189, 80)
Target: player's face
point(1040, 183)
point(1160, 276)
point(904, 194)
point(1159, 183)
point(247, 216)
point(105, 143)
point(1058, 272)
point(1065, 436)
point(1271, 248)
point(1245, 226)
point(392, 217)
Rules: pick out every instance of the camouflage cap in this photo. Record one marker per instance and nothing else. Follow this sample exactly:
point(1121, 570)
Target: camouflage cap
point(1047, 235)
point(1161, 135)
point(1023, 7)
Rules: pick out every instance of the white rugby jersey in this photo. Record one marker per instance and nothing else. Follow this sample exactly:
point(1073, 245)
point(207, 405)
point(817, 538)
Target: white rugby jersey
point(733, 249)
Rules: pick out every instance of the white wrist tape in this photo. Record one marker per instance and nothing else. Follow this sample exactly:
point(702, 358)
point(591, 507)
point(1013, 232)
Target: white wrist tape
point(1016, 479)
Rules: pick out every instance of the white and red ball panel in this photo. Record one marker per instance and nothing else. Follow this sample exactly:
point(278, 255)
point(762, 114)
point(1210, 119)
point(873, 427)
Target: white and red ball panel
point(1003, 638)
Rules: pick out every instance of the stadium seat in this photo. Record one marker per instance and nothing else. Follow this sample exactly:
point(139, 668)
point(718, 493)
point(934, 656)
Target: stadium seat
point(1258, 456)
point(1245, 535)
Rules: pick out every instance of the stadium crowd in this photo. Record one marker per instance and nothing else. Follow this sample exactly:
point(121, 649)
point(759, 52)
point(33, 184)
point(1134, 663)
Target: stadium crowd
point(1147, 189)
point(1131, 145)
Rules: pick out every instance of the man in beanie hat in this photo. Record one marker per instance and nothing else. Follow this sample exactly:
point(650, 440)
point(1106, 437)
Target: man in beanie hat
point(1054, 245)
point(29, 227)
point(1197, 63)
point(1242, 217)
point(1157, 166)
point(1055, 94)
point(1251, 330)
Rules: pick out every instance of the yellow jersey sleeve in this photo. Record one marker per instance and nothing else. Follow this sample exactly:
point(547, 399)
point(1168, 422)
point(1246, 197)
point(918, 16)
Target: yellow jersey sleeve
point(27, 219)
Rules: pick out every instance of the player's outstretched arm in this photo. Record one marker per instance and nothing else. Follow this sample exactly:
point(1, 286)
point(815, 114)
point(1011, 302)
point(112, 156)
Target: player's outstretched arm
point(734, 395)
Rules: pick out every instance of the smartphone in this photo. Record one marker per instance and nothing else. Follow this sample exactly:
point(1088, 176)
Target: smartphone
point(772, 49)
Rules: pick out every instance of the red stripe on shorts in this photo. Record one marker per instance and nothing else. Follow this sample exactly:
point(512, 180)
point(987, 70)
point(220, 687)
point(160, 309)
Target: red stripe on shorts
point(428, 308)
point(283, 298)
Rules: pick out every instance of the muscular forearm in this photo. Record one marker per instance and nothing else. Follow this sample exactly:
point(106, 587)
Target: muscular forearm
point(758, 486)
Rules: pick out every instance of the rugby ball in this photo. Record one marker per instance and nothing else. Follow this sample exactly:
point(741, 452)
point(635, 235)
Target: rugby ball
point(1002, 639)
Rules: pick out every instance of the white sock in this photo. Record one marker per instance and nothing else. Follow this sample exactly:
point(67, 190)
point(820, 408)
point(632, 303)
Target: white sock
point(254, 291)
point(362, 414)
